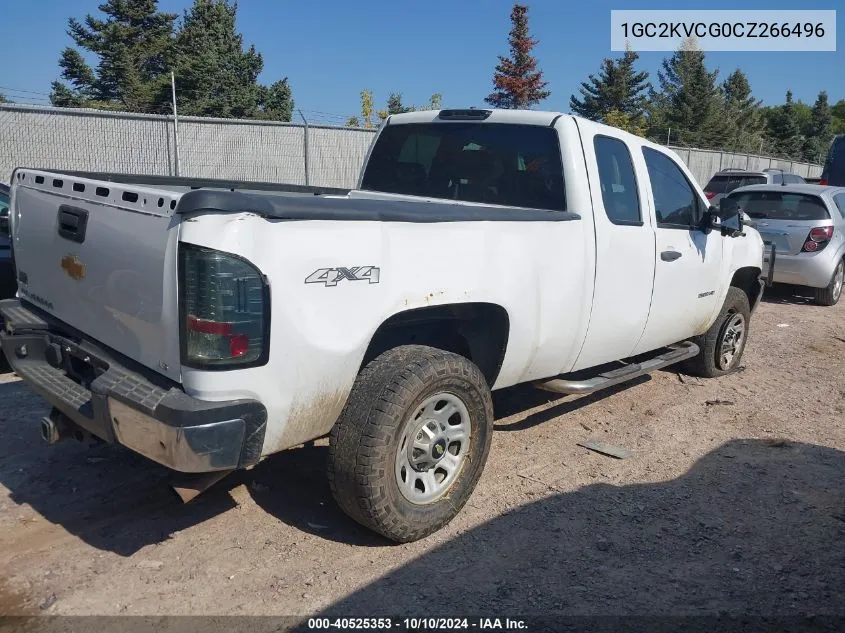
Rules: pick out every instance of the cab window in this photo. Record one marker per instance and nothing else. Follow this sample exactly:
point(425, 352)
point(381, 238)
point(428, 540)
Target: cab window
point(618, 183)
point(677, 205)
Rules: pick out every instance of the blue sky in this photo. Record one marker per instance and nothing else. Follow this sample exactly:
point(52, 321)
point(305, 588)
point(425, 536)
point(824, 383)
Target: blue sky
point(331, 49)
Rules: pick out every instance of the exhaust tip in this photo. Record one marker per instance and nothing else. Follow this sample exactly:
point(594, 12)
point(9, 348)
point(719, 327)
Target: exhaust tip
point(50, 431)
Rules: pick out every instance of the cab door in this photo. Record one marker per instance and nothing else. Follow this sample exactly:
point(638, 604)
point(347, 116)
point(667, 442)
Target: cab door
point(624, 237)
point(688, 259)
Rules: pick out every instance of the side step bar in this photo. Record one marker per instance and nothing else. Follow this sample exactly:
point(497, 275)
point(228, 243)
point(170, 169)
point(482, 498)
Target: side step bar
point(676, 354)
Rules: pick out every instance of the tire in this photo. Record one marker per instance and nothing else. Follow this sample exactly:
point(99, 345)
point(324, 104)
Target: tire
point(830, 294)
point(710, 362)
point(372, 445)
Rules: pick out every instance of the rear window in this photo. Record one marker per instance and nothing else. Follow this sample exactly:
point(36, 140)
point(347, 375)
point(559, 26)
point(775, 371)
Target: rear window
point(506, 164)
point(726, 184)
point(781, 206)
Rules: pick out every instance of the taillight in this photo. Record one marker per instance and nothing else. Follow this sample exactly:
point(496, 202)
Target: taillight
point(225, 310)
point(822, 181)
point(710, 194)
point(817, 239)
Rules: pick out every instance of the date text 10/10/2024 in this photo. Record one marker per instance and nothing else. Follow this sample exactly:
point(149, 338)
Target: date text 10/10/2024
point(412, 624)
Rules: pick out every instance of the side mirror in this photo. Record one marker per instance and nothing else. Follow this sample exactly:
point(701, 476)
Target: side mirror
point(730, 215)
point(710, 220)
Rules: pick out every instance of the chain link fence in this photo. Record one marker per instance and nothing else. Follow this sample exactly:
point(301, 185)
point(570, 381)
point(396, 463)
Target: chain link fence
point(264, 151)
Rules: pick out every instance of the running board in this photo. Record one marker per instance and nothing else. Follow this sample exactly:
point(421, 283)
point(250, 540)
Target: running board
point(676, 354)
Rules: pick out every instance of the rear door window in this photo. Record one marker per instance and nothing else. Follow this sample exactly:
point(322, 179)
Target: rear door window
point(618, 182)
point(503, 164)
point(770, 205)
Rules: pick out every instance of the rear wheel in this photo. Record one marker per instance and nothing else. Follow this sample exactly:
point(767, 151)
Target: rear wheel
point(723, 344)
point(412, 441)
point(830, 294)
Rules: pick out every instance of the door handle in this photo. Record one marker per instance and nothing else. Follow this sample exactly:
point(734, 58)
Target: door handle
point(669, 256)
point(72, 223)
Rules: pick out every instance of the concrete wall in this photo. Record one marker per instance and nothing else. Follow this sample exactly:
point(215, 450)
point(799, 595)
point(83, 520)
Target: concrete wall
point(92, 140)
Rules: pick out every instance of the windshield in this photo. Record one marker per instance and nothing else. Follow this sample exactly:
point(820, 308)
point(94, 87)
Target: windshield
point(506, 164)
point(781, 206)
point(726, 184)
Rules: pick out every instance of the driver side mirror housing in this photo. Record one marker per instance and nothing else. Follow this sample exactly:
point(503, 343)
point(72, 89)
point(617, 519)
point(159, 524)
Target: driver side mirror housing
point(731, 217)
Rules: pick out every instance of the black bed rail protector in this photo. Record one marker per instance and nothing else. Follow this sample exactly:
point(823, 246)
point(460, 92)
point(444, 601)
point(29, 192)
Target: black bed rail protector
point(197, 183)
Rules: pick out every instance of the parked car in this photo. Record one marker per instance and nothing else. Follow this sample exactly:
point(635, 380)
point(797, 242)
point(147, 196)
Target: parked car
point(834, 166)
point(806, 223)
point(726, 180)
point(7, 273)
point(208, 329)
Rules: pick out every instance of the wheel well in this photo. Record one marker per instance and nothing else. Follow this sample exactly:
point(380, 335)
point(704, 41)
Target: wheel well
point(747, 280)
point(477, 331)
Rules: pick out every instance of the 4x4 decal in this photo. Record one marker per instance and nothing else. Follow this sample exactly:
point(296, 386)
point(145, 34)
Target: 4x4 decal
point(330, 276)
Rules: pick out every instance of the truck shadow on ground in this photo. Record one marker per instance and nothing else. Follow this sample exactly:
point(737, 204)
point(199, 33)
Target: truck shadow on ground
point(118, 501)
point(754, 527)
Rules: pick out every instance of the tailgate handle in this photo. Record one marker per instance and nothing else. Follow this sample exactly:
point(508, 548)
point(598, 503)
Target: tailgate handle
point(72, 223)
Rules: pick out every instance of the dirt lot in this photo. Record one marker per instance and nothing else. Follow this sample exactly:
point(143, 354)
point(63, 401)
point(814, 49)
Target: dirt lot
point(735, 507)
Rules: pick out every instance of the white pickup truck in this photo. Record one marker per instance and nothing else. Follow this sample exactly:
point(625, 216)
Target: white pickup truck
point(208, 325)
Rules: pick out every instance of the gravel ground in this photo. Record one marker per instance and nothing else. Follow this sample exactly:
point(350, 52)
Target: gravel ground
point(736, 507)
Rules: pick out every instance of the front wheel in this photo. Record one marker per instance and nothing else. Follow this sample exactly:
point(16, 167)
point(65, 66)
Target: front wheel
point(411, 442)
point(723, 344)
point(829, 295)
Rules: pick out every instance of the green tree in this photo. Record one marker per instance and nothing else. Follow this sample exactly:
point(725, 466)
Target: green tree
point(689, 102)
point(784, 129)
point(744, 119)
point(629, 123)
point(517, 83)
point(837, 112)
point(618, 88)
point(819, 132)
point(216, 75)
point(3, 98)
point(132, 44)
point(395, 105)
point(275, 102)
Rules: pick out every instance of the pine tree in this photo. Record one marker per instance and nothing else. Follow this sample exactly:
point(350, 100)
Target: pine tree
point(689, 102)
point(275, 102)
point(215, 76)
point(838, 114)
point(517, 83)
point(820, 130)
point(784, 130)
point(743, 117)
point(617, 88)
point(132, 45)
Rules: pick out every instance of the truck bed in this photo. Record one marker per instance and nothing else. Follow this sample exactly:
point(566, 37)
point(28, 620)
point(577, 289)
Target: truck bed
point(99, 251)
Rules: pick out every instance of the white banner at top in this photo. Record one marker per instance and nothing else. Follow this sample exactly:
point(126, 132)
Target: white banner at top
point(721, 30)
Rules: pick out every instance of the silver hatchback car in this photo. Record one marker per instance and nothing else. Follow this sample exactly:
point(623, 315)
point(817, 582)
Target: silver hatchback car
point(806, 224)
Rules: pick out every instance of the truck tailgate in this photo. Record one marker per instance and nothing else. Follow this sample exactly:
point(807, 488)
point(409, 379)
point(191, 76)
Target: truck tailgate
point(101, 257)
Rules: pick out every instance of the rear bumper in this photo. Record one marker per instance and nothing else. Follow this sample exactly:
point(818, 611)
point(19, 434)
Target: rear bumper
point(806, 269)
point(129, 406)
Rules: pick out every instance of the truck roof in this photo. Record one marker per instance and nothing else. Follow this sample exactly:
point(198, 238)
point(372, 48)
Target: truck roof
point(523, 117)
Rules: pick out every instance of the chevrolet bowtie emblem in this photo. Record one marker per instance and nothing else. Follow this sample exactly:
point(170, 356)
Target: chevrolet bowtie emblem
point(73, 267)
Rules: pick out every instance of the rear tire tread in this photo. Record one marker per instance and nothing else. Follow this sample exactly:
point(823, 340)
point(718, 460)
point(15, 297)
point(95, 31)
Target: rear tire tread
point(359, 446)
